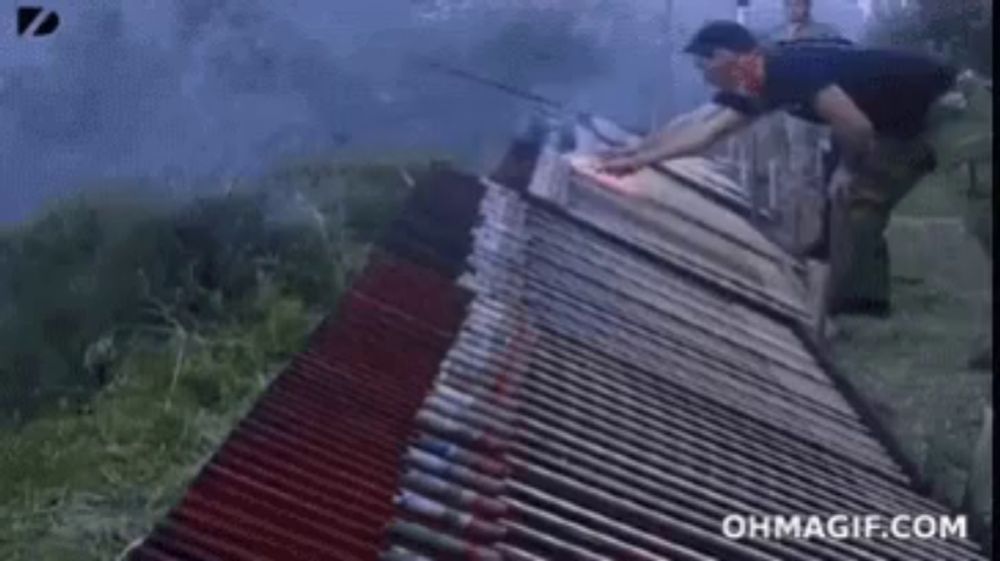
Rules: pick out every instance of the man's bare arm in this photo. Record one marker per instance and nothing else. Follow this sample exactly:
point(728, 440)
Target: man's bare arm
point(705, 113)
point(657, 137)
point(852, 129)
point(687, 135)
point(698, 131)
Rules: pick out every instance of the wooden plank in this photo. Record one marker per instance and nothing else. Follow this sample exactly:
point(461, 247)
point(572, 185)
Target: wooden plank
point(673, 219)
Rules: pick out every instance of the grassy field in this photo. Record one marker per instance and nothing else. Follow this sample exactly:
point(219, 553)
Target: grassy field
point(912, 367)
point(81, 484)
point(87, 469)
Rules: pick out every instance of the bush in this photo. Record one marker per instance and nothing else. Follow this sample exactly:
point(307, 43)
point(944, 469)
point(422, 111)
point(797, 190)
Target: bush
point(135, 332)
point(103, 271)
point(962, 30)
point(82, 485)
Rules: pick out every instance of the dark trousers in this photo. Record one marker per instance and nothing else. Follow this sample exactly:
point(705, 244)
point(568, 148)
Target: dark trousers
point(958, 141)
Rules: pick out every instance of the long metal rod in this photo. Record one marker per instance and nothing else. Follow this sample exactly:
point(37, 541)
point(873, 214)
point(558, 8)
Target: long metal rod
point(520, 93)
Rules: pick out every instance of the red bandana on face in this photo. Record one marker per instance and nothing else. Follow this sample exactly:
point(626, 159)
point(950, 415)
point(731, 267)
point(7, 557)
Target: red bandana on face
point(749, 73)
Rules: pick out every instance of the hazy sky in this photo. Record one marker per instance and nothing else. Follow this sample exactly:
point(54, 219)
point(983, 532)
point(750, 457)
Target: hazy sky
point(176, 90)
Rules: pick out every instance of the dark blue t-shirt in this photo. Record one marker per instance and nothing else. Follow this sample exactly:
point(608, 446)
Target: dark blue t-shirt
point(894, 89)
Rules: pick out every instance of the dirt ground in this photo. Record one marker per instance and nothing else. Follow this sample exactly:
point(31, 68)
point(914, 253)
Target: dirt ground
point(912, 367)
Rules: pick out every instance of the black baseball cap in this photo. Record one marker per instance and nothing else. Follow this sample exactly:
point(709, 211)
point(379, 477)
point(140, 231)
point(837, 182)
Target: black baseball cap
point(721, 35)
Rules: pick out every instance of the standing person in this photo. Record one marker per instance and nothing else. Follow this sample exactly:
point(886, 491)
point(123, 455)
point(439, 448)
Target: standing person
point(800, 26)
point(801, 138)
point(800, 142)
point(894, 116)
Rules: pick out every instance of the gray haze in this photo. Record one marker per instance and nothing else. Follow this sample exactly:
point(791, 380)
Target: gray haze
point(181, 90)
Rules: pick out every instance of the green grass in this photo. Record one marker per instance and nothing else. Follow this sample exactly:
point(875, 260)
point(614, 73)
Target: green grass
point(83, 483)
point(93, 268)
point(912, 366)
point(198, 304)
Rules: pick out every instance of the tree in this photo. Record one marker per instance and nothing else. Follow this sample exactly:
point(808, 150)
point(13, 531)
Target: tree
point(960, 30)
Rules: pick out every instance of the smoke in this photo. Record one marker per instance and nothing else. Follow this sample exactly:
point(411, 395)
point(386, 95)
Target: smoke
point(178, 91)
point(187, 93)
point(846, 15)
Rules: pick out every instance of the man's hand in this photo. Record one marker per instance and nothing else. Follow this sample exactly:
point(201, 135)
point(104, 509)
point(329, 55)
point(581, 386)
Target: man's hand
point(622, 151)
point(851, 127)
point(624, 160)
point(687, 135)
point(617, 152)
point(624, 164)
point(859, 160)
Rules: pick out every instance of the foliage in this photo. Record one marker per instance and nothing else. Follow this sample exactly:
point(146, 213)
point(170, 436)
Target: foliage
point(135, 332)
point(94, 274)
point(546, 48)
point(960, 29)
point(911, 367)
point(83, 483)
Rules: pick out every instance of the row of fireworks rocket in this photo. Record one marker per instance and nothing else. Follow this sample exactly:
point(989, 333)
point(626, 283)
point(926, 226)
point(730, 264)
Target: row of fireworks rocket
point(534, 446)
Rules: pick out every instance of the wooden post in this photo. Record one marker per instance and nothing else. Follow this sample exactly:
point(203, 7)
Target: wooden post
point(819, 169)
point(746, 184)
point(817, 297)
point(972, 176)
point(668, 101)
point(731, 149)
point(979, 486)
point(838, 236)
point(772, 186)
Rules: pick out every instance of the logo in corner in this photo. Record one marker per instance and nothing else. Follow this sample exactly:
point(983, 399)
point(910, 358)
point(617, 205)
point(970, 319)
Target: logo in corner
point(33, 21)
